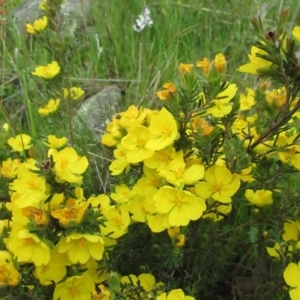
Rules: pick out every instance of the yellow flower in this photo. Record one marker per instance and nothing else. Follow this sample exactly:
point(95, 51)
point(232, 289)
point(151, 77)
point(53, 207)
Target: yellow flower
point(296, 33)
point(74, 93)
point(179, 175)
point(274, 251)
point(292, 232)
point(164, 127)
point(291, 276)
point(173, 232)
point(145, 280)
point(123, 194)
point(9, 275)
point(246, 174)
point(54, 142)
point(149, 184)
point(68, 166)
point(70, 215)
point(276, 98)
point(182, 206)
point(204, 65)
point(50, 107)
point(220, 62)
point(158, 222)
point(248, 100)
point(38, 25)
point(103, 295)
point(175, 235)
point(220, 184)
point(55, 270)
point(29, 189)
point(119, 164)
point(47, 72)
point(113, 135)
point(43, 5)
point(20, 143)
point(74, 288)
point(101, 201)
point(169, 89)
point(94, 269)
point(257, 64)
point(259, 197)
point(202, 126)
point(10, 168)
point(135, 144)
point(28, 248)
point(36, 215)
point(163, 95)
point(223, 106)
point(81, 247)
point(137, 208)
point(117, 222)
point(131, 117)
point(5, 127)
point(216, 211)
point(185, 68)
point(175, 295)
point(161, 159)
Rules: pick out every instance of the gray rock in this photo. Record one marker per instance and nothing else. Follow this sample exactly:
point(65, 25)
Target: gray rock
point(74, 14)
point(97, 111)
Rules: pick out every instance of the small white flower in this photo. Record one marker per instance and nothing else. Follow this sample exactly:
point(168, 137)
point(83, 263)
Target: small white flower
point(143, 20)
point(99, 48)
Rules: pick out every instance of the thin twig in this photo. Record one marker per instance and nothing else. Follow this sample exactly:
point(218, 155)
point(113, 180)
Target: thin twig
point(139, 75)
point(274, 127)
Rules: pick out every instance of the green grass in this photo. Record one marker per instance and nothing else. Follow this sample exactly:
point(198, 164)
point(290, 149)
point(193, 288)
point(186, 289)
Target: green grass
point(183, 31)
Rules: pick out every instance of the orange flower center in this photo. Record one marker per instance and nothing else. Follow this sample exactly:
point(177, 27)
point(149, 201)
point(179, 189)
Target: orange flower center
point(74, 291)
point(29, 241)
point(45, 267)
point(217, 187)
point(141, 143)
point(32, 185)
point(116, 221)
point(177, 200)
point(292, 151)
point(64, 162)
point(165, 129)
point(81, 242)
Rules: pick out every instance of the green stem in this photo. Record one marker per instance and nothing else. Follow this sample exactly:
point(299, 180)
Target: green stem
point(29, 108)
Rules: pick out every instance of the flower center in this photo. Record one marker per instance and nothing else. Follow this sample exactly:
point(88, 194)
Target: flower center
point(74, 291)
point(64, 162)
point(82, 242)
point(217, 187)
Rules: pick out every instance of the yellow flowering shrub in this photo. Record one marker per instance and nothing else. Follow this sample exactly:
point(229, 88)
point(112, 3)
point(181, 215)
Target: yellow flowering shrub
point(203, 182)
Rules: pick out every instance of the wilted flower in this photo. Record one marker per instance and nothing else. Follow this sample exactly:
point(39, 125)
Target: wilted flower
point(143, 20)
